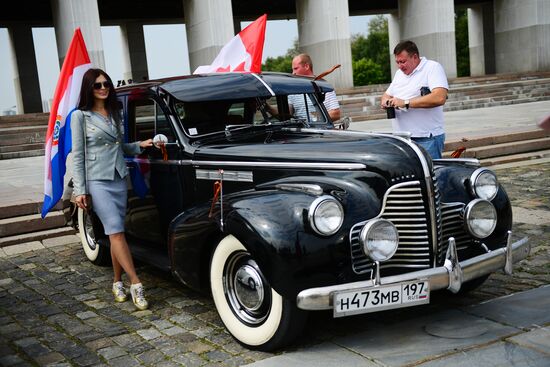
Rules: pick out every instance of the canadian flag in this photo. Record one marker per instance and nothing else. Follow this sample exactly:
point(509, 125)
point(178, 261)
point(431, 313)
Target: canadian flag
point(243, 53)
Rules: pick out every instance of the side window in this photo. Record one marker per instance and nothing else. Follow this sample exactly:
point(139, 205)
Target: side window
point(148, 119)
point(305, 106)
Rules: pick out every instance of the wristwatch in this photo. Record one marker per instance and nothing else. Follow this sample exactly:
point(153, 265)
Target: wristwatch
point(407, 102)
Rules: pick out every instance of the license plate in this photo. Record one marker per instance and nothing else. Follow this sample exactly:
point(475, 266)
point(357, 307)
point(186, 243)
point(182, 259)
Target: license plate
point(381, 298)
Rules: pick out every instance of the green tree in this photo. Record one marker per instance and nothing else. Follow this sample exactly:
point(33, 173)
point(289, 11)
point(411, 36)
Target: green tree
point(462, 46)
point(374, 50)
point(366, 71)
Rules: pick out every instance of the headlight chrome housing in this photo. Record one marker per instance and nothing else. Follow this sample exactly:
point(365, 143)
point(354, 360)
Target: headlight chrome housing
point(484, 184)
point(379, 239)
point(326, 215)
point(480, 218)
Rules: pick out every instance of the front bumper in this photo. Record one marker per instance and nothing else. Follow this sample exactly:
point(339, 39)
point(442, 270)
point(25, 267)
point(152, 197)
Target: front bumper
point(449, 276)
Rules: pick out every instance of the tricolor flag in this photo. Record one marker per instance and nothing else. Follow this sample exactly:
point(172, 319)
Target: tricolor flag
point(58, 136)
point(243, 53)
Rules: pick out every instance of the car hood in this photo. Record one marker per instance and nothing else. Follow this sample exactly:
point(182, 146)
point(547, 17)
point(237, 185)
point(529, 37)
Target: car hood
point(380, 153)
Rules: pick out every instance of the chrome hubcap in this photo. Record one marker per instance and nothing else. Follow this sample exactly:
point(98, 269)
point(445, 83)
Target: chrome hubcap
point(245, 288)
point(249, 288)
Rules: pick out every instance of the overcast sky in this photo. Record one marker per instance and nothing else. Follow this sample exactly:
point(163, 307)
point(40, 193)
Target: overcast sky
point(159, 39)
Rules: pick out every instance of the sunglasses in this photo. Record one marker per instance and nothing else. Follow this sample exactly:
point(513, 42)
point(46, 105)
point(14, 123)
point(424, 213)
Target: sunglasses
point(105, 84)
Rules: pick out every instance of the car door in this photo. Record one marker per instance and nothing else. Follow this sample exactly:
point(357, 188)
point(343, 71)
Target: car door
point(156, 177)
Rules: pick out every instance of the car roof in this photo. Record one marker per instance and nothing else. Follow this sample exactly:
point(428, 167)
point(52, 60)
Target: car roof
point(220, 86)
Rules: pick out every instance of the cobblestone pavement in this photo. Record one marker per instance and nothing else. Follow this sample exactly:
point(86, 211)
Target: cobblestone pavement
point(56, 308)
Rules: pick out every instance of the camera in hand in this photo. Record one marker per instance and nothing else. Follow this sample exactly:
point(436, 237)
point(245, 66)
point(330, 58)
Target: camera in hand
point(390, 111)
point(425, 91)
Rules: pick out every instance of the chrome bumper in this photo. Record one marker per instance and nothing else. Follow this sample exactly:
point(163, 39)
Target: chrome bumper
point(449, 276)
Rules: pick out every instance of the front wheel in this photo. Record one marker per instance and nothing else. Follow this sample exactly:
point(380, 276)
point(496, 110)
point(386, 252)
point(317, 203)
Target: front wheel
point(254, 313)
point(94, 242)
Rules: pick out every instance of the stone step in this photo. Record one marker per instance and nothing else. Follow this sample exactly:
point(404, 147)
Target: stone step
point(31, 223)
point(23, 154)
point(29, 208)
point(458, 91)
point(21, 147)
point(24, 136)
point(36, 236)
point(494, 139)
point(509, 148)
point(27, 118)
point(513, 158)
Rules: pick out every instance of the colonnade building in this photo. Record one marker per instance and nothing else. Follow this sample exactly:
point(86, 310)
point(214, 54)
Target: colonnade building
point(504, 35)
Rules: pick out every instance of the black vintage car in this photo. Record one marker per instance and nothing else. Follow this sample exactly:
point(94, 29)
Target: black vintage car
point(277, 214)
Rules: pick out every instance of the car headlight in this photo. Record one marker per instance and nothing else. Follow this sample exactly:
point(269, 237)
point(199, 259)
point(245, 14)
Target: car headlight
point(484, 184)
point(379, 238)
point(326, 215)
point(480, 218)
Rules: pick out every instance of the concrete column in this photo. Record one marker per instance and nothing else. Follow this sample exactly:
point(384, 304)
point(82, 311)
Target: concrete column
point(323, 29)
point(394, 37)
point(27, 86)
point(209, 25)
point(431, 25)
point(481, 39)
point(475, 41)
point(522, 35)
point(70, 14)
point(135, 56)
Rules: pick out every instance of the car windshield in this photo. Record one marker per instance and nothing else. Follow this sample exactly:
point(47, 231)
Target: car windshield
point(208, 117)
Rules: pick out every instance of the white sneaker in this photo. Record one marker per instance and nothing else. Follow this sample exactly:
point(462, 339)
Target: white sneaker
point(119, 292)
point(138, 296)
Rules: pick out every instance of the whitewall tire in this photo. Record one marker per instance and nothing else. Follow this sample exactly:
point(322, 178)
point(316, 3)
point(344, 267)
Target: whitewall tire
point(93, 242)
point(254, 313)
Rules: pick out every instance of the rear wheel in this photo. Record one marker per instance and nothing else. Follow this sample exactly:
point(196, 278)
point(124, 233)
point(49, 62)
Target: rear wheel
point(254, 313)
point(94, 241)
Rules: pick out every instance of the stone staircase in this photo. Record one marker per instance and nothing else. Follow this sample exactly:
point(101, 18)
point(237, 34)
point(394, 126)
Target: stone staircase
point(23, 135)
point(362, 103)
point(22, 223)
point(505, 147)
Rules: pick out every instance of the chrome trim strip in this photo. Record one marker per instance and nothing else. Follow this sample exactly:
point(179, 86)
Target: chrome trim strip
point(238, 176)
point(155, 161)
point(321, 298)
point(467, 161)
point(265, 85)
point(316, 165)
point(296, 187)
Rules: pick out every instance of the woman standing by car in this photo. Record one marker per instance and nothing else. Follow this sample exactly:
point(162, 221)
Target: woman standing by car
point(99, 172)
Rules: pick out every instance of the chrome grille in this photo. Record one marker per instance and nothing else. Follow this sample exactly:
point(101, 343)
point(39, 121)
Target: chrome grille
point(453, 226)
point(404, 206)
point(438, 219)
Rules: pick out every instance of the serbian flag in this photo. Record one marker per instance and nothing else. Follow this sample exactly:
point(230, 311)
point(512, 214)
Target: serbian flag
point(58, 136)
point(243, 53)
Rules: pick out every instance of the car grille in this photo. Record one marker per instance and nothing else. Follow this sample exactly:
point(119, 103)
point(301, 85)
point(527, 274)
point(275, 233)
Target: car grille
point(405, 207)
point(453, 226)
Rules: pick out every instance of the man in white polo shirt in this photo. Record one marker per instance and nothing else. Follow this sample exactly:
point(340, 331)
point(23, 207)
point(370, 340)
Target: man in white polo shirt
point(418, 92)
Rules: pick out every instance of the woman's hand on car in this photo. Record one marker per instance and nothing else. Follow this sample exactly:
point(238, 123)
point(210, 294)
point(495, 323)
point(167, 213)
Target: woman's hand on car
point(146, 143)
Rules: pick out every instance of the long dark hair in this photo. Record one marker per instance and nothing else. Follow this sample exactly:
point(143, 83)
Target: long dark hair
point(87, 93)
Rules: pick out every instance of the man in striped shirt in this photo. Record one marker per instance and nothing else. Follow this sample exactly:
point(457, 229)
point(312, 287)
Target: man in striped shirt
point(302, 65)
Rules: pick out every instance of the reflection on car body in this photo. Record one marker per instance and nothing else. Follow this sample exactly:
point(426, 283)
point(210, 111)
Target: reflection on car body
point(277, 215)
